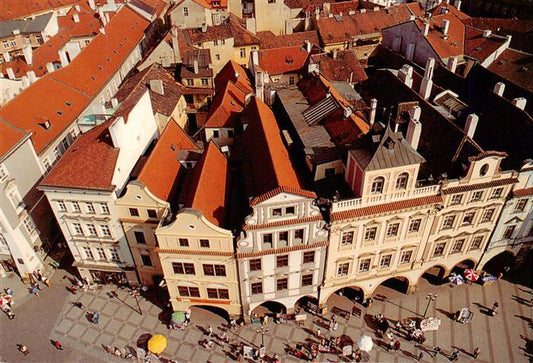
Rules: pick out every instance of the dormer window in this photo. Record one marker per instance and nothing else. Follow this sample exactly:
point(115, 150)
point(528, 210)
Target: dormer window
point(401, 182)
point(377, 185)
point(484, 169)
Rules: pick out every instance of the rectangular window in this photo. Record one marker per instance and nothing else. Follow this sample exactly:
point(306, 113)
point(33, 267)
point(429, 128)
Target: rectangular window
point(92, 230)
point(147, 260)
point(520, 205)
point(76, 207)
point(487, 215)
point(257, 288)
point(406, 257)
point(282, 261)
point(106, 232)
point(243, 52)
point(276, 212)
point(134, 212)
point(88, 253)
point(152, 213)
point(255, 265)
point(291, 80)
point(214, 270)
point(215, 134)
point(476, 196)
point(77, 229)
point(185, 11)
point(458, 246)
point(64, 143)
point(283, 239)
point(184, 242)
point(61, 205)
point(189, 291)
point(267, 240)
point(204, 243)
point(3, 173)
point(392, 229)
point(28, 224)
point(101, 253)
point(385, 261)
point(476, 243)
point(509, 231)
point(215, 42)
point(47, 165)
point(307, 280)
point(217, 57)
point(114, 255)
point(370, 233)
point(57, 154)
point(183, 268)
point(298, 236)
point(230, 133)
point(496, 193)
point(139, 237)
point(204, 81)
point(448, 222)
point(414, 225)
point(222, 41)
point(90, 208)
point(309, 257)
point(104, 208)
point(217, 293)
point(347, 238)
point(456, 199)
point(439, 249)
point(282, 284)
point(290, 211)
point(468, 218)
point(190, 82)
point(364, 265)
point(343, 268)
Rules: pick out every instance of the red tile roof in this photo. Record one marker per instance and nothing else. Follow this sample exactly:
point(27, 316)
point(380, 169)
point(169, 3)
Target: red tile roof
point(283, 60)
point(13, 9)
point(269, 40)
point(453, 45)
point(287, 222)
point(519, 29)
point(279, 190)
point(9, 137)
point(269, 161)
point(515, 66)
point(212, 33)
point(210, 185)
point(89, 23)
point(241, 36)
point(162, 168)
point(345, 68)
point(466, 188)
point(479, 47)
point(227, 105)
point(234, 72)
point(522, 192)
point(88, 164)
point(282, 250)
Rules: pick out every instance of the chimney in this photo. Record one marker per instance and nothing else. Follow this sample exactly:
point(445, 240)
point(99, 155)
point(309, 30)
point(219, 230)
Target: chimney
point(487, 33)
point(471, 124)
point(414, 113)
point(313, 68)
point(195, 66)
point(10, 73)
point(499, 88)
point(363, 10)
point(373, 107)
point(31, 76)
point(335, 53)
point(412, 17)
point(156, 85)
point(28, 54)
point(102, 16)
point(111, 2)
point(175, 46)
point(396, 125)
point(92, 4)
point(76, 18)
point(114, 102)
point(458, 4)
point(204, 27)
point(445, 26)
point(452, 64)
point(25, 81)
point(50, 67)
point(77, 7)
point(347, 112)
point(406, 75)
point(520, 102)
point(427, 83)
point(102, 30)
point(63, 57)
point(255, 57)
point(308, 46)
point(414, 130)
point(7, 57)
point(425, 29)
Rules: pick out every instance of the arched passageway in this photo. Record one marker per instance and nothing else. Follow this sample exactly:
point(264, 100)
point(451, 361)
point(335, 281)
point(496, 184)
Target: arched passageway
point(271, 308)
point(434, 275)
point(398, 284)
point(498, 263)
point(463, 265)
point(307, 303)
point(208, 312)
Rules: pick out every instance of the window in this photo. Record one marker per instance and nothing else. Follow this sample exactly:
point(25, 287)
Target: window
point(114, 255)
point(230, 133)
point(347, 238)
point(147, 260)
point(370, 233)
point(88, 253)
point(448, 222)
point(377, 185)
point(189, 291)
point(343, 268)
point(406, 257)
point(39, 39)
point(414, 225)
point(520, 205)
point(289, 211)
point(183, 268)
point(276, 212)
point(28, 224)
point(217, 57)
point(217, 293)
point(283, 239)
point(307, 280)
point(298, 236)
point(204, 82)
point(76, 207)
point(101, 253)
point(255, 265)
point(106, 232)
point(439, 249)
point(139, 237)
point(222, 41)
point(309, 257)
point(257, 288)
point(13, 43)
point(267, 239)
point(509, 231)
point(3, 173)
point(458, 246)
point(385, 261)
point(215, 134)
point(401, 182)
point(61, 205)
point(476, 196)
point(291, 80)
point(185, 11)
point(483, 170)
point(496, 193)
point(184, 242)
point(282, 261)
point(90, 208)
point(92, 230)
point(243, 53)
point(104, 208)
point(487, 215)
point(456, 199)
point(204, 243)
point(14, 197)
point(282, 284)
point(134, 212)
point(190, 82)
point(214, 270)
point(77, 229)
point(392, 229)
point(476, 243)
point(215, 42)
point(5, 44)
point(64, 143)
point(329, 172)
point(468, 218)
point(364, 265)
point(152, 213)
point(57, 154)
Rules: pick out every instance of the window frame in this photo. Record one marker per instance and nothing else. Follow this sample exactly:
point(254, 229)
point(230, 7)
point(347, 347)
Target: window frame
point(402, 257)
point(387, 258)
point(256, 288)
point(307, 280)
point(284, 282)
point(370, 234)
point(308, 257)
point(377, 186)
point(393, 229)
point(282, 261)
point(255, 264)
point(414, 225)
point(347, 238)
point(343, 268)
point(402, 180)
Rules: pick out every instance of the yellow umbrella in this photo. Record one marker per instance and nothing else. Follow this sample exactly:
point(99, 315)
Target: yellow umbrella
point(157, 344)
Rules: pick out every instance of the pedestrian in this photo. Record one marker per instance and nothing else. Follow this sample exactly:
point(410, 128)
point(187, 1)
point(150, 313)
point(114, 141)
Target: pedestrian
point(390, 335)
point(78, 304)
point(47, 282)
point(58, 345)
point(23, 349)
point(455, 355)
point(335, 326)
point(398, 325)
point(233, 324)
point(210, 331)
point(224, 337)
point(495, 307)
point(369, 302)
point(265, 320)
point(436, 350)
point(476, 352)
point(397, 345)
point(95, 318)
point(8, 291)
point(318, 333)
point(275, 358)
point(420, 356)
point(391, 345)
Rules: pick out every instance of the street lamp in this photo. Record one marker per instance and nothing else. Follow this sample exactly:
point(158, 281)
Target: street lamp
point(135, 293)
point(429, 297)
point(262, 330)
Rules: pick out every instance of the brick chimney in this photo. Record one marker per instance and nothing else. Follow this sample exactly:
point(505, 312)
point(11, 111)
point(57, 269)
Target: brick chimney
point(445, 26)
point(425, 29)
point(452, 64)
point(427, 83)
point(406, 75)
point(471, 124)
point(414, 129)
point(76, 18)
point(373, 107)
point(520, 102)
point(499, 88)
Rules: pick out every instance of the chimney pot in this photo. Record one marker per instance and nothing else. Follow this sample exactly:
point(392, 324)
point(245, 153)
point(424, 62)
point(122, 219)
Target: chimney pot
point(471, 124)
point(520, 102)
point(76, 18)
point(452, 64)
point(499, 88)
point(445, 26)
point(414, 130)
point(487, 33)
point(425, 29)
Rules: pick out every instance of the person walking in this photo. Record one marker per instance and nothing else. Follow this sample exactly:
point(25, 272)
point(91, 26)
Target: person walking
point(391, 345)
point(455, 355)
point(397, 345)
point(420, 356)
point(210, 331)
point(58, 345)
point(494, 309)
point(335, 326)
point(476, 352)
point(436, 350)
point(318, 333)
point(23, 349)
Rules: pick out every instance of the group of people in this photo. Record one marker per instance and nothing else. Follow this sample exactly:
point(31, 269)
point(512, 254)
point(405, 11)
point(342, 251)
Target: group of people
point(7, 303)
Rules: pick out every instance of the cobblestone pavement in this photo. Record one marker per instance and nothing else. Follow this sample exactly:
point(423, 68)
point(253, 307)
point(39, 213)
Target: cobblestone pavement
point(51, 316)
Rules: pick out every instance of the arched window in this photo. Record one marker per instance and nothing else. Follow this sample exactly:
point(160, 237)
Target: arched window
point(401, 182)
point(377, 185)
point(484, 169)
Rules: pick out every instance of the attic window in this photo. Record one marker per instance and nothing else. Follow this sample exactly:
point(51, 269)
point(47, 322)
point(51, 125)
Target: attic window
point(502, 61)
point(389, 143)
point(477, 49)
point(172, 147)
point(100, 68)
point(59, 112)
point(108, 60)
point(125, 38)
point(455, 44)
point(68, 103)
point(121, 44)
point(115, 51)
point(92, 77)
point(289, 60)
